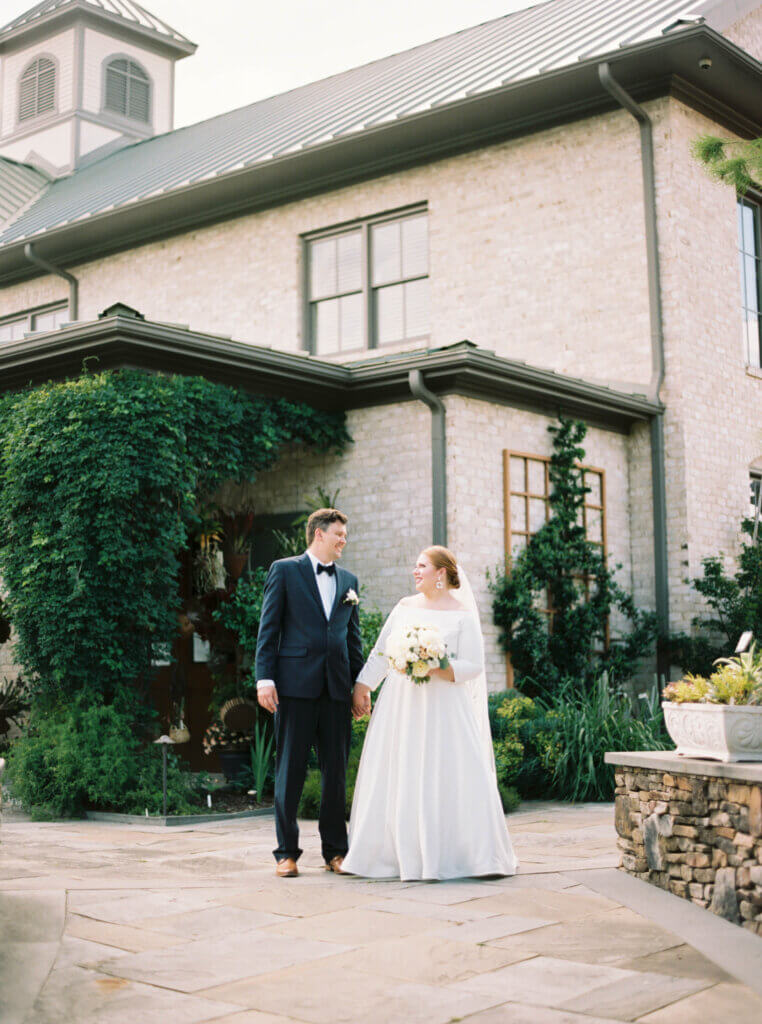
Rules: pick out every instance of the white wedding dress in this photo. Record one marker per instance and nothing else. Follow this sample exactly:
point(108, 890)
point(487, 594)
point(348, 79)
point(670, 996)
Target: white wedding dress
point(426, 803)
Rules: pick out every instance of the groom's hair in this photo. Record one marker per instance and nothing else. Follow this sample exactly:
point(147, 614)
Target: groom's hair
point(321, 519)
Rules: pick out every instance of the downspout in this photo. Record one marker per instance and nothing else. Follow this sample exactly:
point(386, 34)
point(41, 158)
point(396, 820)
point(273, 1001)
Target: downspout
point(438, 455)
point(32, 256)
point(658, 476)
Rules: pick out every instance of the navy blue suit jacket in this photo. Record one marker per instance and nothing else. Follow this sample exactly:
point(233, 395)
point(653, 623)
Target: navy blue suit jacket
point(297, 646)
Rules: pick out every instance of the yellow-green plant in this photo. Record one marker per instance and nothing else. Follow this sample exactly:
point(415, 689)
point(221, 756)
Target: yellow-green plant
point(738, 680)
point(689, 690)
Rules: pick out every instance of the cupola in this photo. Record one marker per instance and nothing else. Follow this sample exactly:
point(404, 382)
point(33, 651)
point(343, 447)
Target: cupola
point(79, 78)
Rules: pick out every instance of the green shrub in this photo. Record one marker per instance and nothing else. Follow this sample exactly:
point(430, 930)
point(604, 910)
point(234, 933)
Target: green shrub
point(734, 605)
point(522, 734)
point(587, 724)
point(509, 797)
point(91, 756)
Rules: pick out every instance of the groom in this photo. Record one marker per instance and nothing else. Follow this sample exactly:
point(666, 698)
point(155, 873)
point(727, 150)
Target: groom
point(309, 652)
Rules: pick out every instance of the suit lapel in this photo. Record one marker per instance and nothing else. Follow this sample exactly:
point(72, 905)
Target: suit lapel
point(305, 565)
point(339, 590)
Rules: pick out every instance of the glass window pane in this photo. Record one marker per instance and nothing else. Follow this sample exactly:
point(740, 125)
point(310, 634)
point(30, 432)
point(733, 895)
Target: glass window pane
point(536, 471)
point(44, 322)
point(747, 235)
point(417, 319)
point(351, 307)
point(323, 268)
point(536, 514)
point(751, 282)
point(415, 246)
point(326, 326)
point(517, 472)
point(518, 513)
point(15, 330)
point(389, 314)
point(742, 271)
point(386, 254)
point(753, 339)
point(349, 262)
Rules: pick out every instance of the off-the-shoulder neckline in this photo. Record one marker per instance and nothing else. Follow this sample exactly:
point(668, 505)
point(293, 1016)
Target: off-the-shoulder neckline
point(420, 608)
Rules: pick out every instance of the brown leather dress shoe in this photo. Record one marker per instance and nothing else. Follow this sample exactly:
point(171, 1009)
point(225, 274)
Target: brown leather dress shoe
point(286, 868)
point(334, 864)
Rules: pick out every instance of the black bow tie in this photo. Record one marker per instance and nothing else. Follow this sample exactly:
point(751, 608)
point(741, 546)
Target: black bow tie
point(330, 569)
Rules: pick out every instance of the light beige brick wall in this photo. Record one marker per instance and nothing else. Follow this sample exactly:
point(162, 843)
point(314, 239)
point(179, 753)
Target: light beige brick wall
point(713, 427)
point(530, 243)
point(384, 480)
point(477, 434)
point(747, 33)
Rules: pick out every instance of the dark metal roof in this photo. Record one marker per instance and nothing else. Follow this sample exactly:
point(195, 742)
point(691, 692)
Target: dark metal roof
point(503, 77)
point(124, 340)
point(125, 10)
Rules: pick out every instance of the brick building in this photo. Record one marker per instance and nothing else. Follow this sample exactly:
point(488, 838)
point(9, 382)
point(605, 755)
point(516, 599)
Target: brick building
point(453, 244)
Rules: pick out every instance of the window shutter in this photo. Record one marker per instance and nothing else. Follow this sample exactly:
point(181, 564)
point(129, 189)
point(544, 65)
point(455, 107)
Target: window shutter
point(128, 90)
point(37, 89)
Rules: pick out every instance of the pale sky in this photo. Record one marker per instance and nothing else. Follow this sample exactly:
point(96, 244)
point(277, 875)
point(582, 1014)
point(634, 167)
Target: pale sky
point(249, 49)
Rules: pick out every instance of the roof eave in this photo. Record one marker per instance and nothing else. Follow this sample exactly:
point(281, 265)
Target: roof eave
point(123, 341)
point(731, 90)
point(174, 46)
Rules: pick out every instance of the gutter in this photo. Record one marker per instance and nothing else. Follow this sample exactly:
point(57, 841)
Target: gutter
point(32, 256)
point(658, 474)
point(438, 455)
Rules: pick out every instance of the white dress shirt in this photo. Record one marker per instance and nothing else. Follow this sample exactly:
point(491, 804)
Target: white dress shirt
point(326, 584)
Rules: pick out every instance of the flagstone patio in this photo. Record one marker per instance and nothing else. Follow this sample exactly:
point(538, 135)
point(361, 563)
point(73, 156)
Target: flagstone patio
point(115, 924)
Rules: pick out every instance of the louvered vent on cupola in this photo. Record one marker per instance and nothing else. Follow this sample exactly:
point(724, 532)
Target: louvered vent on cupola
point(37, 89)
point(128, 90)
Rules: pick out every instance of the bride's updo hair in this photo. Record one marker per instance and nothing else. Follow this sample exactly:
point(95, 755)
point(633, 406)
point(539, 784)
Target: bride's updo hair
point(443, 558)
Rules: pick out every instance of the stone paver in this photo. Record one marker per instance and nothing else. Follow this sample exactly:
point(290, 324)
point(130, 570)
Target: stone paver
point(115, 924)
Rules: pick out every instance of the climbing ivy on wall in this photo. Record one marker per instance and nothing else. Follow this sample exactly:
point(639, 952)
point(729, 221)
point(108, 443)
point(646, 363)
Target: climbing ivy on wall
point(99, 479)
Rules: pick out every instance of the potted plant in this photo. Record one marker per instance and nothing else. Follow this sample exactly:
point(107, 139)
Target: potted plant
point(232, 748)
point(720, 717)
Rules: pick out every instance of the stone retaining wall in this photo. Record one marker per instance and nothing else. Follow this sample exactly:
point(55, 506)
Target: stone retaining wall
point(697, 835)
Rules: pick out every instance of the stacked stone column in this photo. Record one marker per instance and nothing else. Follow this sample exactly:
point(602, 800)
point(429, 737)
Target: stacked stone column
point(697, 836)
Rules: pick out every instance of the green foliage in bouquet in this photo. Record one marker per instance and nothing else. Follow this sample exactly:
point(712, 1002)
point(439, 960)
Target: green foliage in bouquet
point(563, 570)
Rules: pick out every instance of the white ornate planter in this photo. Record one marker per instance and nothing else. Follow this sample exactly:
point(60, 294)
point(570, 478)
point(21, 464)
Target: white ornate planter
point(721, 732)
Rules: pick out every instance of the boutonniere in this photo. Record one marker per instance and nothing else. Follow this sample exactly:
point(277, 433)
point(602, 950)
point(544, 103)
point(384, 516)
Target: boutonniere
point(350, 597)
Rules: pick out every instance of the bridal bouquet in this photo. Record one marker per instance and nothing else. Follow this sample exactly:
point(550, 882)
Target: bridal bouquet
point(415, 650)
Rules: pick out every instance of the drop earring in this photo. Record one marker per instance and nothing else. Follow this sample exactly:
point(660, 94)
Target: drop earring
point(440, 585)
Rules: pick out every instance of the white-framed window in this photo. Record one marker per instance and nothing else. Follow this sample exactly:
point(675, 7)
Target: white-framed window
point(367, 283)
point(127, 89)
point(13, 328)
point(37, 89)
point(750, 260)
point(755, 485)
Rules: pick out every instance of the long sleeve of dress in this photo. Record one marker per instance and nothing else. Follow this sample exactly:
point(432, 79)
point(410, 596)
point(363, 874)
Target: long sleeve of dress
point(470, 658)
point(376, 668)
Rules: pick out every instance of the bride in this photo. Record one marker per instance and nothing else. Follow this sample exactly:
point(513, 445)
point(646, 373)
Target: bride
point(426, 803)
